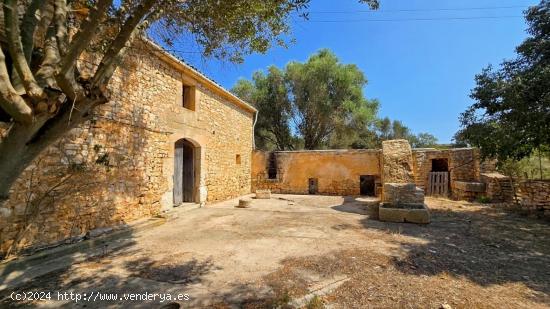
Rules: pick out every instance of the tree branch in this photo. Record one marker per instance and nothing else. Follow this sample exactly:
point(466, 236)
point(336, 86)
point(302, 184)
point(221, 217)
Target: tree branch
point(16, 51)
point(30, 20)
point(10, 101)
point(60, 20)
point(45, 74)
point(65, 77)
point(119, 45)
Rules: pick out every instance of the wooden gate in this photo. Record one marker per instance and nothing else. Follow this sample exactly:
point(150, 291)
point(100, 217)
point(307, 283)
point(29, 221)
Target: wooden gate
point(438, 183)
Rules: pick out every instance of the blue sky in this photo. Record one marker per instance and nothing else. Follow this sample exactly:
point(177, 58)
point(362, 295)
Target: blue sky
point(422, 71)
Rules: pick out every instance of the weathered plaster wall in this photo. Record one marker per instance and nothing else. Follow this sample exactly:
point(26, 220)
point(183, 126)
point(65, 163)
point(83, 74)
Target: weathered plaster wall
point(337, 171)
point(121, 162)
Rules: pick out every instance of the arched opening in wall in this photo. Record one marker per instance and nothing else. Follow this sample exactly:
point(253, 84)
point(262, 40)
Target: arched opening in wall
point(185, 171)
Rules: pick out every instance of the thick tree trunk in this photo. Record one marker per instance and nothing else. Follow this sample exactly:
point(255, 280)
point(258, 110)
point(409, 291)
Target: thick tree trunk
point(24, 143)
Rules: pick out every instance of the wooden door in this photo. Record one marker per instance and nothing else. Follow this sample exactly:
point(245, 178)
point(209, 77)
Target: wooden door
point(184, 172)
point(313, 186)
point(366, 185)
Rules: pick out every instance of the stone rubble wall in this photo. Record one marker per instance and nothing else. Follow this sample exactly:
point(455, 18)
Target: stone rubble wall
point(397, 162)
point(121, 162)
point(498, 187)
point(337, 171)
point(468, 191)
point(463, 165)
point(535, 196)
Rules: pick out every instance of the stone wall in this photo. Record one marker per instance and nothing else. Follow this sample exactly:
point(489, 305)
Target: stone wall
point(337, 171)
point(463, 164)
point(498, 187)
point(118, 167)
point(535, 196)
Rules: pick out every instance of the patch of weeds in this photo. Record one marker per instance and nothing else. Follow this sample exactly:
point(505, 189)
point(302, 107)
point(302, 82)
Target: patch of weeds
point(281, 300)
point(315, 303)
point(484, 199)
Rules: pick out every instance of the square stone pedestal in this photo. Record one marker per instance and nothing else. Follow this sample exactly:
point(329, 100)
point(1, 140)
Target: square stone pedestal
point(403, 202)
point(413, 213)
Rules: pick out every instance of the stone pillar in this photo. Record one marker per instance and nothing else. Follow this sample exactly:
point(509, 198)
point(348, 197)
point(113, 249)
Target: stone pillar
point(397, 162)
point(402, 200)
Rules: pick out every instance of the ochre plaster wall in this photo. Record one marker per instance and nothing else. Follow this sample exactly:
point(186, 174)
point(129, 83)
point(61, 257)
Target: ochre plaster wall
point(337, 171)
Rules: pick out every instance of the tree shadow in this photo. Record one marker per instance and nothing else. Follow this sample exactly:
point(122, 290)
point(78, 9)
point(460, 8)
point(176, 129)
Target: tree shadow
point(126, 270)
point(354, 204)
point(485, 245)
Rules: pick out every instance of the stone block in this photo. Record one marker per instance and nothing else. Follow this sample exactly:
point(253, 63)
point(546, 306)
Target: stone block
point(397, 161)
point(402, 193)
point(371, 204)
point(263, 194)
point(419, 215)
point(470, 186)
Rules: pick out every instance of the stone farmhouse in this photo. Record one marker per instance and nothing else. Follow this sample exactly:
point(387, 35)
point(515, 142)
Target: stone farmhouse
point(167, 126)
point(170, 135)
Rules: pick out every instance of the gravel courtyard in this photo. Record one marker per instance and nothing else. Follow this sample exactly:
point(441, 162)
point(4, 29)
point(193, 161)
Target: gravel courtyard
point(283, 251)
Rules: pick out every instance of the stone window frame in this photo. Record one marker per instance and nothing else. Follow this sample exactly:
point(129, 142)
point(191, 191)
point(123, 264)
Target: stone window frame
point(187, 94)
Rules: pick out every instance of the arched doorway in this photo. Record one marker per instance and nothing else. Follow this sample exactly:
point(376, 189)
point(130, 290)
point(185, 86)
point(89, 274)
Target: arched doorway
point(184, 172)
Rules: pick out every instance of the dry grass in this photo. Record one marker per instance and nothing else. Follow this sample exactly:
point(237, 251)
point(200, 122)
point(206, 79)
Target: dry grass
point(471, 256)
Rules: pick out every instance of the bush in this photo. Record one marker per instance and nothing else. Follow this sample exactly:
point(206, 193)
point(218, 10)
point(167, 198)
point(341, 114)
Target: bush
point(484, 199)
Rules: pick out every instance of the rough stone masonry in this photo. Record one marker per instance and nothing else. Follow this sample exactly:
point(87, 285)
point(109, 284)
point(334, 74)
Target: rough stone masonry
point(119, 166)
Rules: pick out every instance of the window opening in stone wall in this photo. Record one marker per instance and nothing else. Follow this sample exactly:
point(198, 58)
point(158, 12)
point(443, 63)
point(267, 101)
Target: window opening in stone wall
point(440, 165)
point(188, 99)
point(272, 166)
point(238, 159)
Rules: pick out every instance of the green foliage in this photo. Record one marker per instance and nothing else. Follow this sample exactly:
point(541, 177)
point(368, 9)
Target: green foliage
point(425, 140)
point(484, 199)
point(327, 98)
point(269, 94)
point(532, 167)
point(319, 104)
point(511, 116)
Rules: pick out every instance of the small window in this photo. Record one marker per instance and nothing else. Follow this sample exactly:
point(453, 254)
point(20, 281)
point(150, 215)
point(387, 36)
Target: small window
point(238, 159)
point(272, 166)
point(188, 97)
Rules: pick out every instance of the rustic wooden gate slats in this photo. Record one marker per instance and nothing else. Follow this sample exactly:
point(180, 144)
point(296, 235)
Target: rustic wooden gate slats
point(438, 183)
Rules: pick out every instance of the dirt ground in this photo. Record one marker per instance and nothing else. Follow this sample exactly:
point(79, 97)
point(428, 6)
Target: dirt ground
point(281, 252)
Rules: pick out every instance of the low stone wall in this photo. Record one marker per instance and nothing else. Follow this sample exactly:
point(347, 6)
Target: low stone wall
point(468, 191)
point(535, 196)
point(498, 187)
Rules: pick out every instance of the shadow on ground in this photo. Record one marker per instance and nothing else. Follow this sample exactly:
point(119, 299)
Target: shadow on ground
point(487, 246)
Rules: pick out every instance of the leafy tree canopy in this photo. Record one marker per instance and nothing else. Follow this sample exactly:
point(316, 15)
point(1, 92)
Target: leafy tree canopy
point(511, 114)
point(319, 104)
